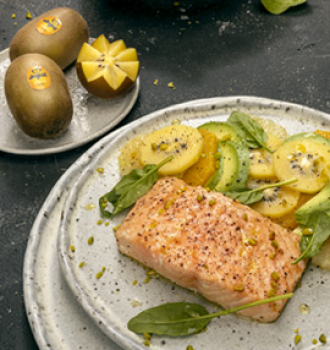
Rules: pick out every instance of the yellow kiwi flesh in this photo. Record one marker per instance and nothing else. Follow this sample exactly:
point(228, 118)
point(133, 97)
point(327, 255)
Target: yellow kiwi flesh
point(305, 157)
point(261, 161)
point(106, 69)
point(58, 34)
point(277, 201)
point(38, 96)
point(183, 142)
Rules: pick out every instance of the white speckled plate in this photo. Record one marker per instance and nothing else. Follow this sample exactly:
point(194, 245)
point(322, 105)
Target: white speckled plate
point(113, 299)
point(92, 117)
point(58, 322)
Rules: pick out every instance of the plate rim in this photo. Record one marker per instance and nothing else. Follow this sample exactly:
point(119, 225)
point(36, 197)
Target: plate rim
point(134, 92)
point(96, 313)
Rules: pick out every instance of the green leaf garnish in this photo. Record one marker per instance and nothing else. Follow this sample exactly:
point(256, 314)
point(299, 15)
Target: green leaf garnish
point(249, 196)
point(250, 130)
point(130, 188)
point(183, 318)
point(276, 7)
point(315, 216)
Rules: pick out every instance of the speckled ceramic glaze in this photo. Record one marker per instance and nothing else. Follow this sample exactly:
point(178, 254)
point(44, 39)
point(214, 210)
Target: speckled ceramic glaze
point(122, 291)
point(92, 117)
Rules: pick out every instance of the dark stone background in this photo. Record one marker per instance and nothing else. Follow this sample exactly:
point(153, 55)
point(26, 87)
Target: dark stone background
point(206, 48)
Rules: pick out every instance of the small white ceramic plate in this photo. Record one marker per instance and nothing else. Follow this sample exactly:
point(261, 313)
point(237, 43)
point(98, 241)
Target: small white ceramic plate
point(92, 117)
point(121, 292)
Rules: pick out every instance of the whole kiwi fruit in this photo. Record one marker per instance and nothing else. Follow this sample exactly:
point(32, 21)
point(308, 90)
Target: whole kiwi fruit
point(38, 96)
point(58, 34)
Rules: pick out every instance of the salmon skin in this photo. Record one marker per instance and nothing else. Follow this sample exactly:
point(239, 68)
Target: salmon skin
point(205, 241)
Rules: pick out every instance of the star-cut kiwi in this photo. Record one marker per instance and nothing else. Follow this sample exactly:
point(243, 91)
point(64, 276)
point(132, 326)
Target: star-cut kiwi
point(107, 69)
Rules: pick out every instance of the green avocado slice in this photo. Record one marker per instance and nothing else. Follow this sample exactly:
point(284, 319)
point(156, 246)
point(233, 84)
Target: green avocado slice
point(233, 170)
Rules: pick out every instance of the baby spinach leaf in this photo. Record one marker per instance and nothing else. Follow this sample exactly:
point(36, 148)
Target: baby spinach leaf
point(183, 318)
point(130, 188)
point(314, 215)
point(249, 196)
point(250, 130)
point(276, 7)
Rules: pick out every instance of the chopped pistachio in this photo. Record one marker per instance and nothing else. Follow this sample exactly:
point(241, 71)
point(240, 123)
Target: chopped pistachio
point(252, 242)
point(297, 338)
point(153, 225)
point(163, 146)
point(156, 82)
point(189, 347)
point(245, 217)
point(154, 146)
point(271, 293)
point(28, 15)
point(212, 202)
point(272, 235)
point(161, 211)
point(272, 255)
point(99, 222)
point(134, 282)
point(239, 288)
point(100, 170)
point(147, 280)
point(91, 240)
point(275, 276)
point(168, 204)
point(13, 15)
point(171, 85)
point(217, 155)
point(314, 341)
point(274, 285)
point(307, 231)
point(81, 264)
point(72, 248)
point(199, 198)
point(91, 206)
point(107, 223)
point(99, 274)
point(116, 228)
point(203, 155)
point(275, 244)
point(323, 339)
point(147, 338)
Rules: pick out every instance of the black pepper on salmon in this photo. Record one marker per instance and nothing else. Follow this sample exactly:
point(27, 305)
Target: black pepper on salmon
point(205, 241)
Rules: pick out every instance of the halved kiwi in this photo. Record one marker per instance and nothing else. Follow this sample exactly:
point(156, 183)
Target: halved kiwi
point(305, 156)
point(107, 69)
point(277, 201)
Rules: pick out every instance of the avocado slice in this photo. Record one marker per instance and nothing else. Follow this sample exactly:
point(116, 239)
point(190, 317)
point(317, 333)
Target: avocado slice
point(223, 131)
point(233, 170)
point(320, 202)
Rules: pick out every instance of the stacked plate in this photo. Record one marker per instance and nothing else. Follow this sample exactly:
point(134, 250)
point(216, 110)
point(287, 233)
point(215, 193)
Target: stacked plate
point(80, 292)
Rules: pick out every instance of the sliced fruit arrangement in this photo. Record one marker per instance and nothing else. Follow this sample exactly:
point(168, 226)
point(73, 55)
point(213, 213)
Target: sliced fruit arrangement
point(183, 142)
point(276, 201)
point(307, 157)
point(251, 160)
point(107, 69)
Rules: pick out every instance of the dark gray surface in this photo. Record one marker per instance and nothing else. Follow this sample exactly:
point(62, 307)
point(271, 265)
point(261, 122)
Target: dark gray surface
point(206, 48)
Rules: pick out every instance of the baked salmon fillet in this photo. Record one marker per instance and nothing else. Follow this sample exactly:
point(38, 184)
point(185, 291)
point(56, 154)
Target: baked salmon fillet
point(205, 241)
